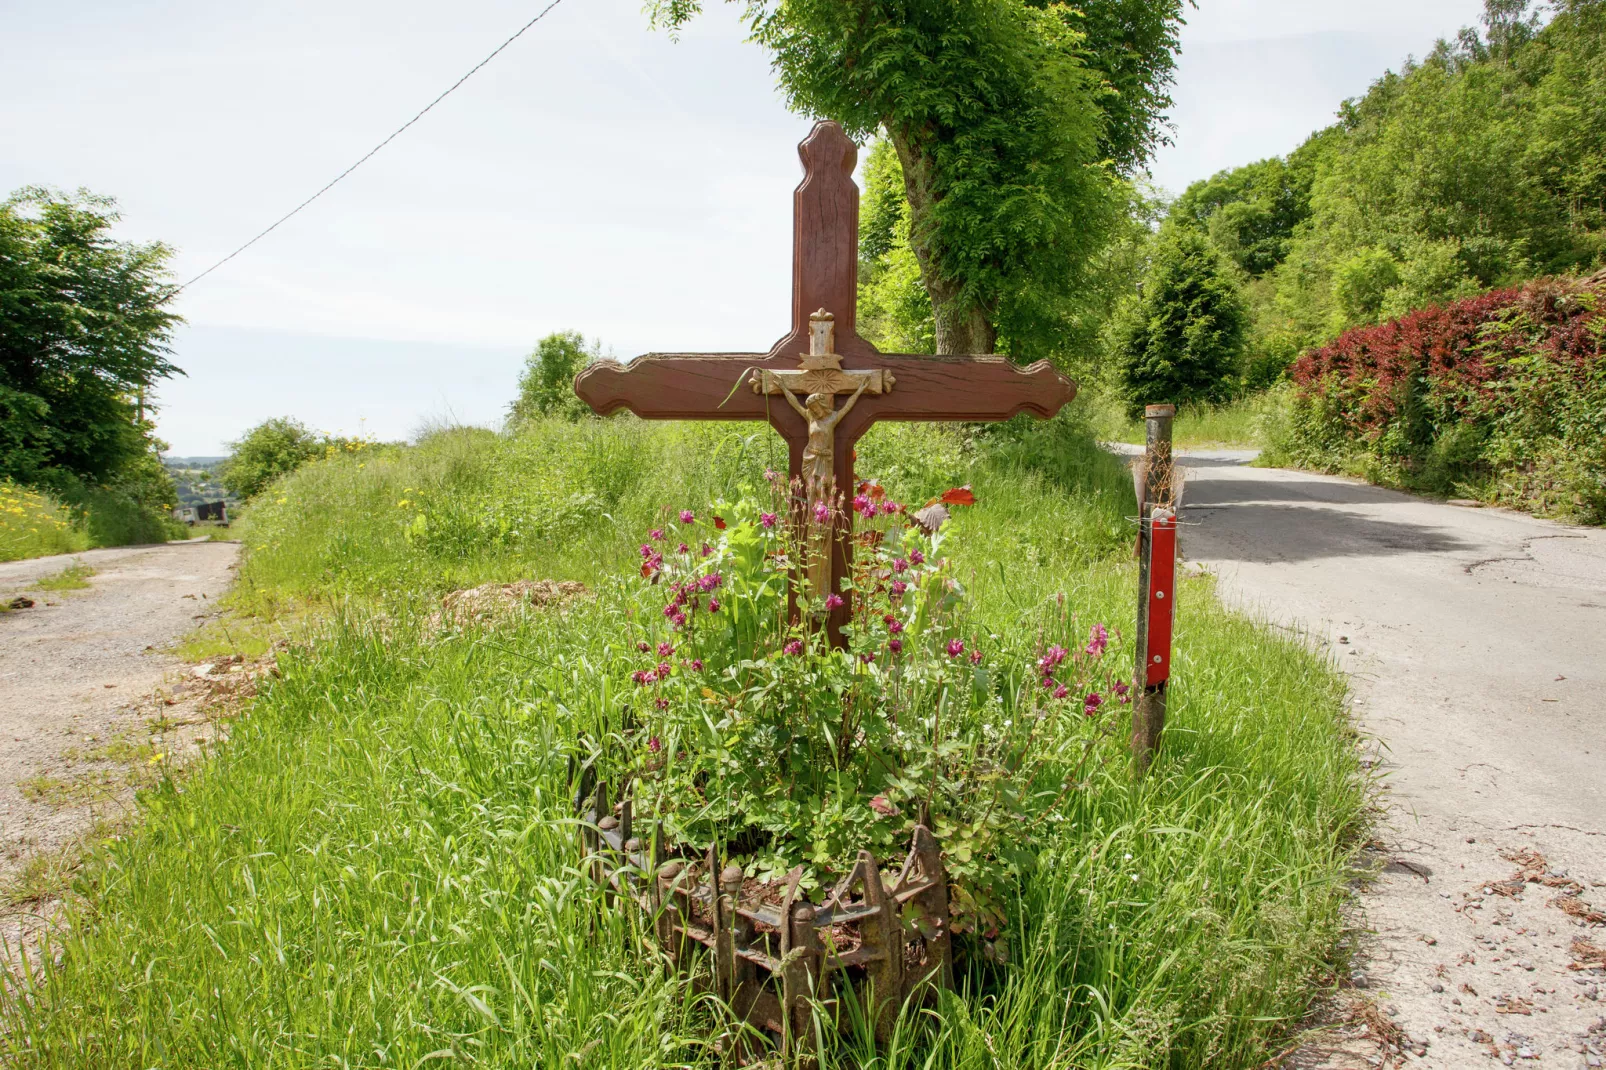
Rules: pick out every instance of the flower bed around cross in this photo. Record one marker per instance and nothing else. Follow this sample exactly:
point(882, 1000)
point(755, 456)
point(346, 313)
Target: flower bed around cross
point(748, 730)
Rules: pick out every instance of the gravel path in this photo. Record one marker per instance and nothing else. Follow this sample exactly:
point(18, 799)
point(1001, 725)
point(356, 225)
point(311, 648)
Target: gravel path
point(1475, 640)
point(76, 672)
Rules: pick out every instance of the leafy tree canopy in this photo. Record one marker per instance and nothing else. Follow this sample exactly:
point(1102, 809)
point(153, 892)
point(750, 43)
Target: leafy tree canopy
point(546, 387)
point(84, 332)
point(1013, 122)
point(1183, 339)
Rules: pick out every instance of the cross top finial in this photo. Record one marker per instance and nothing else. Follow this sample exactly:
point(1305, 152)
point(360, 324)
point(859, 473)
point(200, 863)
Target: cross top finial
point(822, 335)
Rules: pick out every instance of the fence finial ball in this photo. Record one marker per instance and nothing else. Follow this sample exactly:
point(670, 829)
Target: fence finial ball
point(730, 878)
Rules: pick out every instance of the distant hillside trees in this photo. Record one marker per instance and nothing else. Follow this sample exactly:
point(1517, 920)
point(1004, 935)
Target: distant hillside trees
point(546, 386)
point(1480, 166)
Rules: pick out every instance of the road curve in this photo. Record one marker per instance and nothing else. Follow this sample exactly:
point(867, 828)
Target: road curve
point(1475, 641)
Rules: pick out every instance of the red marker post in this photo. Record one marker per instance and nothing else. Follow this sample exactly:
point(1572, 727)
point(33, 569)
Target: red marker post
point(1157, 573)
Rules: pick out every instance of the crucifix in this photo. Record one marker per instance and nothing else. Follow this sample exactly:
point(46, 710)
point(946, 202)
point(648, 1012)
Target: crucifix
point(796, 385)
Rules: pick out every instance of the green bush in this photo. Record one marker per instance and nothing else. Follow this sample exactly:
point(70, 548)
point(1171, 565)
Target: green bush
point(1181, 342)
point(546, 387)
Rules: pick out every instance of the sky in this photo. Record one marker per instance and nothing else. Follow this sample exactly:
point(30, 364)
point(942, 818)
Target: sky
point(596, 176)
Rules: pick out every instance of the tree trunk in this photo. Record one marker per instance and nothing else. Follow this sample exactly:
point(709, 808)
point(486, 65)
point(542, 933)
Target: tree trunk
point(962, 326)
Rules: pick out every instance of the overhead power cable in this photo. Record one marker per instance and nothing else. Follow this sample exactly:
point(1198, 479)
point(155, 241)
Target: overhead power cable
point(369, 154)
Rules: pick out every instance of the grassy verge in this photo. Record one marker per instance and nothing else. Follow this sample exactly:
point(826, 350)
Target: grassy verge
point(1251, 422)
point(379, 868)
point(33, 524)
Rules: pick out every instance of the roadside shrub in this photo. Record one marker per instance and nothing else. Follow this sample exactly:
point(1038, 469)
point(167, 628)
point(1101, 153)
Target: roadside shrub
point(1500, 397)
point(1182, 341)
point(546, 387)
point(275, 448)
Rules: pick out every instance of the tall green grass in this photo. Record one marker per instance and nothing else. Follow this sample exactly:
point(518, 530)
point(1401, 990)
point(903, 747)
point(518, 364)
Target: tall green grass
point(380, 868)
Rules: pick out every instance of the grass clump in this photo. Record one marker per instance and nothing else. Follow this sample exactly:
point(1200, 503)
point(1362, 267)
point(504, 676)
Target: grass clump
point(75, 577)
point(379, 868)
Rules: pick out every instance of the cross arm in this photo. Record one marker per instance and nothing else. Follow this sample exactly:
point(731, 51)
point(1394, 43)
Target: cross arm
point(980, 389)
point(679, 386)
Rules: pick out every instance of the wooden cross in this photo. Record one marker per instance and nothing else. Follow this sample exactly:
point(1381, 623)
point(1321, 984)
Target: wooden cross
point(822, 358)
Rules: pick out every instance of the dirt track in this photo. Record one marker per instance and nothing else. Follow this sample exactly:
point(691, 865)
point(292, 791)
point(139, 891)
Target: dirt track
point(1475, 640)
point(78, 672)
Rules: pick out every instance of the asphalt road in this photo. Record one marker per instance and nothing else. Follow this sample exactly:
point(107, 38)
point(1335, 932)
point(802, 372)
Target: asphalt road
point(1475, 640)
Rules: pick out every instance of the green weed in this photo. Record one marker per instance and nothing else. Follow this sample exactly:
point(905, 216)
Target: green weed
point(75, 577)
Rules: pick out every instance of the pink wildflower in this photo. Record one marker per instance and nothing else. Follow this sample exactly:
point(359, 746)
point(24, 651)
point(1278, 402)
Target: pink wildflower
point(696, 664)
point(639, 677)
point(1097, 641)
point(713, 605)
point(663, 670)
point(1062, 692)
point(670, 610)
point(683, 549)
point(900, 565)
point(687, 516)
point(795, 647)
point(680, 619)
point(895, 645)
point(975, 657)
point(956, 647)
point(834, 601)
point(654, 745)
point(646, 550)
point(822, 512)
point(643, 646)
point(656, 534)
point(769, 475)
point(917, 557)
point(898, 587)
point(1091, 704)
point(767, 519)
point(1055, 655)
point(661, 703)
point(707, 550)
point(665, 649)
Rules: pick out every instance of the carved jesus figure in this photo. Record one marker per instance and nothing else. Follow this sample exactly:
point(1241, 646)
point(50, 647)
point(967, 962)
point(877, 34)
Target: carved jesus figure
point(819, 456)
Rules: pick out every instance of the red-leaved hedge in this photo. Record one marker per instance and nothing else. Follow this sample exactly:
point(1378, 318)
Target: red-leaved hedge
point(1453, 353)
point(1500, 396)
